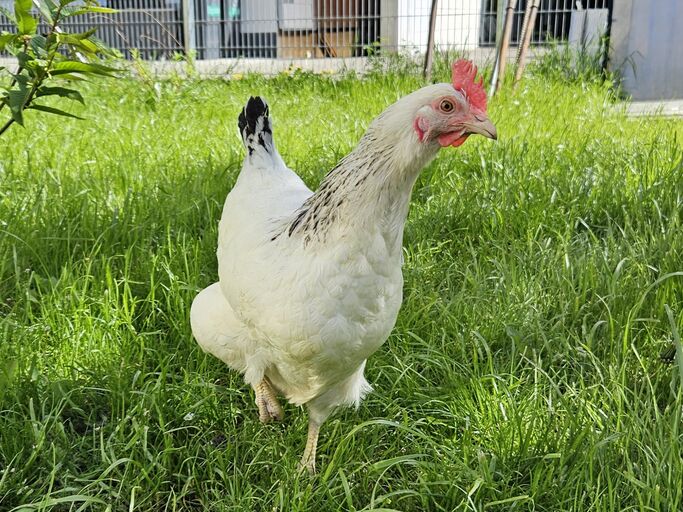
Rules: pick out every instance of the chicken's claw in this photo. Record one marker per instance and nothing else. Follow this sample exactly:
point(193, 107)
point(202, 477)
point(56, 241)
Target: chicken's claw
point(269, 408)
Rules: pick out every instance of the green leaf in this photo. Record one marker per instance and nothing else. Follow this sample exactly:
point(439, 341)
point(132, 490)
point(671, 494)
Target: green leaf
point(83, 35)
point(26, 24)
point(47, 8)
point(71, 77)
point(84, 9)
point(6, 39)
point(36, 68)
point(70, 66)
point(22, 80)
point(24, 59)
point(102, 48)
point(52, 41)
point(16, 98)
point(16, 101)
point(85, 45)
point(677, 342)
point(38, 44)
point(53, 110)
point(63, 92)
point(98, 47)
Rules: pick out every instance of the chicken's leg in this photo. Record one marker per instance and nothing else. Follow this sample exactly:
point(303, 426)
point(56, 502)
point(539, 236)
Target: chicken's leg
point(308, 458)
point(268, 407)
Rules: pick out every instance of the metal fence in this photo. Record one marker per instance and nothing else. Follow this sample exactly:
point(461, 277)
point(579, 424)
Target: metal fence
point(553, 22)
point(316, 29)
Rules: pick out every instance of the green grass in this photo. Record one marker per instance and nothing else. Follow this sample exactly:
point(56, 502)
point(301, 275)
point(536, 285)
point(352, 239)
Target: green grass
point(524, 370)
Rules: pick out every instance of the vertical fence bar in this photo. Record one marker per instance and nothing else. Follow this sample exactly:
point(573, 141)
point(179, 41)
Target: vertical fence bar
point(389, 26)
point(189, 42)
point(500, 20)
point(604, 60)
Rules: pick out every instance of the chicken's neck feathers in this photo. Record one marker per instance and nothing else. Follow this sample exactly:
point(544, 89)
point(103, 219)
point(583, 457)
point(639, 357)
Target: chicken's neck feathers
point(369, 189)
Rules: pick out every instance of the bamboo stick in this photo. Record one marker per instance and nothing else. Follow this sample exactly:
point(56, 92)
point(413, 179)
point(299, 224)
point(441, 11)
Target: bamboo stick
point(505, 42)
point(530, 21)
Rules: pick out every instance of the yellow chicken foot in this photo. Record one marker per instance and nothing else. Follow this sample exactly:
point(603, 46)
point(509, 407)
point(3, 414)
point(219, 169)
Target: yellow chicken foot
point(268, 407)
point(308, 459)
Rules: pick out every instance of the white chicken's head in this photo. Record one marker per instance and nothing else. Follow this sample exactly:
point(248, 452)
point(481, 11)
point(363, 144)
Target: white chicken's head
point(443, 114)
point(453, 112)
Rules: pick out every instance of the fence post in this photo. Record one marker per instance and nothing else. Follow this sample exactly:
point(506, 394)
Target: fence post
point(500, 20)
point(429, 56)
point(189, 43)
point(388, 37)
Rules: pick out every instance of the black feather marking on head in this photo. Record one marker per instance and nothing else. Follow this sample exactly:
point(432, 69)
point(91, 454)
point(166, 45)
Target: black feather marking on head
point(242, 122)
point(251, 129)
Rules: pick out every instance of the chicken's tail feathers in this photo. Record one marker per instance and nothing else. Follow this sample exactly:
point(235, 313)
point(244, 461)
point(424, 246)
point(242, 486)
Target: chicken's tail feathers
point(254, 125)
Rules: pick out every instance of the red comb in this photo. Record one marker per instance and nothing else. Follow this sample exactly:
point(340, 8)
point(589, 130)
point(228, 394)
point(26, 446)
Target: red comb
point(464, 74)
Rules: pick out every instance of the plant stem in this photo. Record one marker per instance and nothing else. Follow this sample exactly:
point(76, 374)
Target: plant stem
point(6, 125)
point(39, 80)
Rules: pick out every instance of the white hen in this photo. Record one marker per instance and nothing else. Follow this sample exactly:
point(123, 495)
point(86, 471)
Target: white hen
point(310, 283)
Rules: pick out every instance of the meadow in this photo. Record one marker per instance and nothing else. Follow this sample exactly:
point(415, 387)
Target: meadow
point(532, 366)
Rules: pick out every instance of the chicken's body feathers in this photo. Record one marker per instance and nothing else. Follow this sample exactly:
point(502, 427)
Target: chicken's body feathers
point(311, 307)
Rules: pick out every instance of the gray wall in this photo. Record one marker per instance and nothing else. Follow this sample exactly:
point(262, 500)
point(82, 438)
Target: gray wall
point(647, 47)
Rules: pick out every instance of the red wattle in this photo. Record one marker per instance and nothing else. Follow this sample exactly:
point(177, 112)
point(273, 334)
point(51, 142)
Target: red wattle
point(454, 139)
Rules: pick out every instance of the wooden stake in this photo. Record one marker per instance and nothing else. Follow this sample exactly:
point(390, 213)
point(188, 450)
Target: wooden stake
point(529, 22)
point(429, 56)
point(505, 42)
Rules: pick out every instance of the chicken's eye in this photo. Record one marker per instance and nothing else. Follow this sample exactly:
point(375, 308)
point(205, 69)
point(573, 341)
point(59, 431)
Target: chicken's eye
point(447, 106)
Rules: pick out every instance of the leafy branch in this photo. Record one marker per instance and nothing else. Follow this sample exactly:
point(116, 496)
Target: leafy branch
point(55, 56)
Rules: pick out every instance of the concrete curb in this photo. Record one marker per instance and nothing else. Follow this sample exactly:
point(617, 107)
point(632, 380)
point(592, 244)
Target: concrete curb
point(666, 108)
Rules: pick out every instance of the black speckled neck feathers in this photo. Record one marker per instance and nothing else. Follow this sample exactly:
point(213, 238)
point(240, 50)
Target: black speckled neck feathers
point(370, 186)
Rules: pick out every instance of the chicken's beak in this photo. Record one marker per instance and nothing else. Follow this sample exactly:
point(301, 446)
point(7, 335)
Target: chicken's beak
point(482, 125)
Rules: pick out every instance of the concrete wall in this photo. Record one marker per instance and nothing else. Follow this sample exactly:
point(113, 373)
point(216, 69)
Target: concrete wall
point(647, 42)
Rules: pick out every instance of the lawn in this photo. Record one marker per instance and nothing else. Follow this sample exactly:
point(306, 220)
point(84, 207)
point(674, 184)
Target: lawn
point(525, 370)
